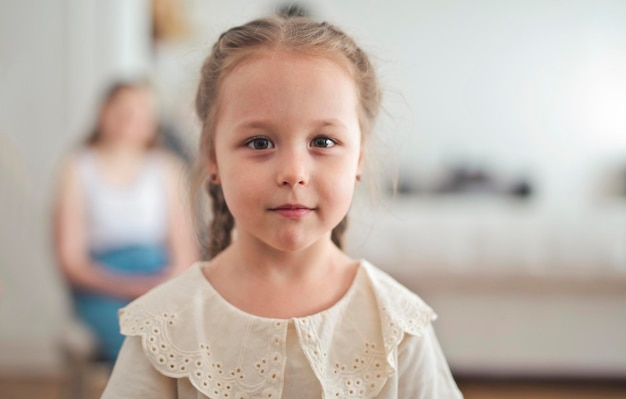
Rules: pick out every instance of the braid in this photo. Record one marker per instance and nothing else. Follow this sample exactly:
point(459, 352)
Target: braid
point(222, 222)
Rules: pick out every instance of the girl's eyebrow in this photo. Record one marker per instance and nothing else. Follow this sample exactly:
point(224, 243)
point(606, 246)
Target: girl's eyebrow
point(329, 122)
point(263, 124)
point(252, 124)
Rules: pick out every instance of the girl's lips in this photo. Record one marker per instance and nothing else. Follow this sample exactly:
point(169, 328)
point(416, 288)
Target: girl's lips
point(292, 211)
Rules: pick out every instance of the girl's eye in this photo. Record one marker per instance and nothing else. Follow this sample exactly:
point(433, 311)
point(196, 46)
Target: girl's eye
point(259, 143)
point(322, 142)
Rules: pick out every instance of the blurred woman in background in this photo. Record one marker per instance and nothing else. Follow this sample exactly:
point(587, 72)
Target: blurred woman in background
point(121, 221)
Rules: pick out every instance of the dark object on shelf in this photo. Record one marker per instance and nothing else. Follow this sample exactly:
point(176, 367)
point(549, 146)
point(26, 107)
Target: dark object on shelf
point(522, 189)
point(466, 180)
point(461, 180)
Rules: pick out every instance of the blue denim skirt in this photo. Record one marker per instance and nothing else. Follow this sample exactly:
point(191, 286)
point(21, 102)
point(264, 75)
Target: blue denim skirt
point(98, 311)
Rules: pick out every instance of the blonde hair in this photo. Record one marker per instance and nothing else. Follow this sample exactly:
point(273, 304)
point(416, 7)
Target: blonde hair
point(297, 35)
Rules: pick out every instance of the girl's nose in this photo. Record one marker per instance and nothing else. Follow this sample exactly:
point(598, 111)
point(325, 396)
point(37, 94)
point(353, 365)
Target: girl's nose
point(293, 170)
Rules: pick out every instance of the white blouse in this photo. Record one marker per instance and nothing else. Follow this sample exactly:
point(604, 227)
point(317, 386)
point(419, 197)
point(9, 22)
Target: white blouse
point(122, 216)
point(186, 341)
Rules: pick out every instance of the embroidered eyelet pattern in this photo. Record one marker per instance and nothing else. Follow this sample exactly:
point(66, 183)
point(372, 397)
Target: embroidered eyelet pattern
point(366, 375)
point(357, 368)
point(205, 372)
point(362, 377)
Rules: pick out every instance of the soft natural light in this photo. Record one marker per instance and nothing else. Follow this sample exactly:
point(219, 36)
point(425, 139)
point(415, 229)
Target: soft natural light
point(602, 106)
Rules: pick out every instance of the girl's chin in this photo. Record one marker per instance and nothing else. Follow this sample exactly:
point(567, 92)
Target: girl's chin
point(293, 245)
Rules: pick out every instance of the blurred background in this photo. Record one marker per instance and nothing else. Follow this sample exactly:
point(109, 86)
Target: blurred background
point(500, 164)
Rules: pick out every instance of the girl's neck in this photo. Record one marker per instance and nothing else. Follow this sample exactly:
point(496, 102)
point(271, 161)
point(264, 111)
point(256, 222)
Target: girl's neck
point(262, 262)
point(282, 285)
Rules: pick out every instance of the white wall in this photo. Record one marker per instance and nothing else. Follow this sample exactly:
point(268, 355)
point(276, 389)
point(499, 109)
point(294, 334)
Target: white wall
point(55, 57)
point(534, 88)
point(33, 114)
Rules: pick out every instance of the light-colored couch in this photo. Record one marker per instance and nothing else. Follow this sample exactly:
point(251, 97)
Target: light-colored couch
point(519, 291)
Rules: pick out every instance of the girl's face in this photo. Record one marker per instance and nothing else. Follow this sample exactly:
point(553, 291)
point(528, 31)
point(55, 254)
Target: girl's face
point(128, 119)
point(287, 148)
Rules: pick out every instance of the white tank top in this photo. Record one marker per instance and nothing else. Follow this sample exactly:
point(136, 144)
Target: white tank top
point(135, 214)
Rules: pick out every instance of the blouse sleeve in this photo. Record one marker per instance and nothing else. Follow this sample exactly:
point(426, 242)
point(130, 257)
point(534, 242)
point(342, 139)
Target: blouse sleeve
point(134, 377)
point(423, 370)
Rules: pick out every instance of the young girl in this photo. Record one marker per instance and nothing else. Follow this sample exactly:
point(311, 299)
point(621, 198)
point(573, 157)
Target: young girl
point(280, 311)
point(121, 226)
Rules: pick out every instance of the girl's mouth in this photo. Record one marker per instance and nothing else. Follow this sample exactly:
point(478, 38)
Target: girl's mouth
point(292, 211)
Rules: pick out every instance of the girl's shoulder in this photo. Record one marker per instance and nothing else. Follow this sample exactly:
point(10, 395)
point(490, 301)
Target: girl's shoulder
point(401, 310)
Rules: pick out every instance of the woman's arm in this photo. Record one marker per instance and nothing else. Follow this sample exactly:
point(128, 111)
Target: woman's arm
point(70, 243)
point(181, 238)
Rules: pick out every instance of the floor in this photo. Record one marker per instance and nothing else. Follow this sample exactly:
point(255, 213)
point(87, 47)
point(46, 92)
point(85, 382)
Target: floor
point(527, 389)
point(471, 388)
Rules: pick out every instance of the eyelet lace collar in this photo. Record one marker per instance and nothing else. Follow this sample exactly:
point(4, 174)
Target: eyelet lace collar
point(187, 330)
